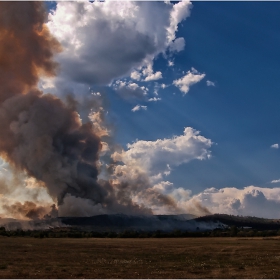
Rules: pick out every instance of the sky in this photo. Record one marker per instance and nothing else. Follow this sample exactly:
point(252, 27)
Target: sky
point(189, 90)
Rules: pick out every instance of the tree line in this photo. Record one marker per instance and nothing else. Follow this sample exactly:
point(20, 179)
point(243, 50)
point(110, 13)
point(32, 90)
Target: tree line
point(232, 231)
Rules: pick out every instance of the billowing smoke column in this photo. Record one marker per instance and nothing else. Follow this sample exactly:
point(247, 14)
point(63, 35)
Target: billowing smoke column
point(39, 133)
point(43, 136)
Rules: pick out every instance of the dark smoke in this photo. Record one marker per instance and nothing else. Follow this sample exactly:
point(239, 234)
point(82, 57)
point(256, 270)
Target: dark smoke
point(202, 209)
point(26, 47)
point(39, 133)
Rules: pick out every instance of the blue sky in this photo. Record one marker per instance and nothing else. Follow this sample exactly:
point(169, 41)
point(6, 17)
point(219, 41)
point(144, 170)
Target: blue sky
point(236, 44)
point(184, 97)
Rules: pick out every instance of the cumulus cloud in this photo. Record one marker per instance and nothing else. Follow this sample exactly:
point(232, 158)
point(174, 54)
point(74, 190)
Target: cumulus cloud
point(210, 84)
point(109, 40)
point(135, 75)
point(249, 201)
point(154, 76)
point(141, 168)
point(97, 39)
point(275, 146)
point(178, 45)
point(179, 12)
point(192, 77)
point(138, 107)
point(156, 156)
point(129, 90)
point(149, 74)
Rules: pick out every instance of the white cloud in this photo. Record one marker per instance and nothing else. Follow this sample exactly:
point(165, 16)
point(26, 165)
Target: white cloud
point(154, 76)
point(274, 146)
point(170, 63)
point(156, 156)
point(138, 107)
point(179, 12)
point(178, 45)
point(154, 99)
point(192, 77)
point(109, 40)
point(209, 83)
point(129, 90)
point(102, 41)
point(275, 181)
point(250, 201)
point(142, 167)
point(150, 75)
point(135, 75)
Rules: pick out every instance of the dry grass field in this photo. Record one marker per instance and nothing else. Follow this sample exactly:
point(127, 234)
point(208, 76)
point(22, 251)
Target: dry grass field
point(22, 257)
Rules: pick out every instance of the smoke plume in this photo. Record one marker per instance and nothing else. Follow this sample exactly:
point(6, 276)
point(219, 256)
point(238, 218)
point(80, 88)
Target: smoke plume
point(40, 134)
point(30, 210)
point(45, 137)
point(26, 47)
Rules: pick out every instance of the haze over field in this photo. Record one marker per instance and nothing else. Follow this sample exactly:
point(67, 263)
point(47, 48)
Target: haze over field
point(139, 108)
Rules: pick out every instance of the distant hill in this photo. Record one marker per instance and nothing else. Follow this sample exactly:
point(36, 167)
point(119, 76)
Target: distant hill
point(120, 222)
point(164, 223)
point(116, 222)
point(241, 221)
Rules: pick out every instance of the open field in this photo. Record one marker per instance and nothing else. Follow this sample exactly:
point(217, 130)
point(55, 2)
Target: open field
point(139, 258)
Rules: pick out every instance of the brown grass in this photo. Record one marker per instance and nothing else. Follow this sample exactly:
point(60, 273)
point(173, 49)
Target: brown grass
point(139, 258)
